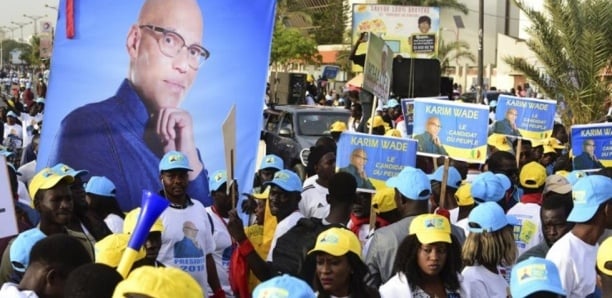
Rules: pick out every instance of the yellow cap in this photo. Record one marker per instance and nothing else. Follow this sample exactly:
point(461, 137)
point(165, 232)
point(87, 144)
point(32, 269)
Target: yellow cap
point(129, 222)
point(384, 200)
point(532, 175)
point(537, 142)
point(338, 126)
point(431, 228)
point(378, 121)
point(464, 195)
point(604, 255)
point(337, 242)
point(159, 282)
point(110, 249)
point(549, 149)
point(499, 141)
point(45, 179)
point(393, 133)
point(554, 143)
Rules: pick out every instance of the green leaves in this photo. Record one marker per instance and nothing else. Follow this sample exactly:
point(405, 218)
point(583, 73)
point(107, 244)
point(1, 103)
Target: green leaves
point(573, 42)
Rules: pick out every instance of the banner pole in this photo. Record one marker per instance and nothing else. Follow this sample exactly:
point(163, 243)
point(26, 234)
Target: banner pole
point(372, 114)
point(518, 152)
point(443, 204)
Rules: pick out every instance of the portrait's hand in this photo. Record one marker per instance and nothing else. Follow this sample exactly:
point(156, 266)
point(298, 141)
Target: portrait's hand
point(235, 227)
point(174, 128)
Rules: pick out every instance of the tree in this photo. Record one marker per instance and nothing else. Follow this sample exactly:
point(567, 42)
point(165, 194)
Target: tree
point(454, 4)
point(573, 43)
point(330, 22)
point(454, 50)
point(290, 44)
point(8, 45)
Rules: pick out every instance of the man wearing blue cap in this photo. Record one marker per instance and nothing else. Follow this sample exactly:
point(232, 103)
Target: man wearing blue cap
point(535, 277)
point(574, 254)
point(285, 194)
point(412, 193)
point(187, 241)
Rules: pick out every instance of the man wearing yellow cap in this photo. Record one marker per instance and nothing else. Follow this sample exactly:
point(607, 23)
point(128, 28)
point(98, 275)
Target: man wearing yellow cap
point(51, 196)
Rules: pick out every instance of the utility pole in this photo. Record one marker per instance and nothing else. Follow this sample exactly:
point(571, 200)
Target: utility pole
point(479, 88)
point(21, 25)
point(12, 29)
point(51, 7)
point(35, 20)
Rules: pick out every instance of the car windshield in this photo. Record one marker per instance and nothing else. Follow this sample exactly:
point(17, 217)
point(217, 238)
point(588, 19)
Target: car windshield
point(317, 124)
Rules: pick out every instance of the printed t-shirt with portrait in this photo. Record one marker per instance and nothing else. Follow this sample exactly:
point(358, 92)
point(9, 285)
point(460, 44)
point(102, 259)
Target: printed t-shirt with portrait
point(223, 250)
point(528, 233)
point(186, 240)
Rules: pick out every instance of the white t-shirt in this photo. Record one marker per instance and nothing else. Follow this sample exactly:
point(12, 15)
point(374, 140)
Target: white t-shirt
point(314, 201)
point(397, 286)
point(281, 228)
point(576, 261)
point(363, 234)
point(23, 194)
point(529, 233)
point(187, 252)
point(10, 290)
point(114, 222)
point(27, 171)
point(463, 223)
point(310, 180)
point(223, 251)
point(28, 126)
point(479, 282)
point(14, 129)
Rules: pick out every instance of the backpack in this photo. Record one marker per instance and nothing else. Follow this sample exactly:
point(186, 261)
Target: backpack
point(291, 249)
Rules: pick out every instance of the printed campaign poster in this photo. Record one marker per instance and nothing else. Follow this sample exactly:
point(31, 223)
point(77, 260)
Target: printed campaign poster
point(529, 118)
point(142, 78)
point(408, 112)
point(378, 68)
point(454, 129)
point(7, 204)
point(373, 159)
point(411, 31)
point(592, 146)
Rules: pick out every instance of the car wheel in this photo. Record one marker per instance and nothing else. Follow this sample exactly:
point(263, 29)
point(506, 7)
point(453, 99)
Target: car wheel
point(300, 170)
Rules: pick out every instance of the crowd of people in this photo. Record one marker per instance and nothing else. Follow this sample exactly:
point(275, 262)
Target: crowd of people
point(533, 229)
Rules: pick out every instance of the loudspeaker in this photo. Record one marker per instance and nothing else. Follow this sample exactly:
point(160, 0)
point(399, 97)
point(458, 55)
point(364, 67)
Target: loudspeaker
point(152, 207)
point(446, 87)
point(422, 74)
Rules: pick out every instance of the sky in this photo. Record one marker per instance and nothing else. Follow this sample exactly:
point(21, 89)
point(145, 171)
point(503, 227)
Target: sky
point(13, 11)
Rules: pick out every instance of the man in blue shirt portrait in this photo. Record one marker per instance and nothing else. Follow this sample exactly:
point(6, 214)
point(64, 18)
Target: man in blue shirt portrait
point(587, 159)
point(429, 141)
point(124, 136)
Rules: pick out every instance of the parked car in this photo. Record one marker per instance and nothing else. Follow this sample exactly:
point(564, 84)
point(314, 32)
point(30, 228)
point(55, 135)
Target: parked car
point(491, 95)
point(290, 128)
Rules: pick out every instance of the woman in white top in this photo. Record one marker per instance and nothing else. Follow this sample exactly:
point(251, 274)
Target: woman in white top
point(488, 250)
point(427, 263)
point(100, 197)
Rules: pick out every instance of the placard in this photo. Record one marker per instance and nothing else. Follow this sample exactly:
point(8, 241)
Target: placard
point(592, 146)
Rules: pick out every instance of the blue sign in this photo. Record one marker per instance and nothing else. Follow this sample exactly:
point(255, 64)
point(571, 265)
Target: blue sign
point(592, 146)
point(524, 117)
point(119, 97)
point(373, 159)
point(330, 72)
point(454, 129)
point(408, 111)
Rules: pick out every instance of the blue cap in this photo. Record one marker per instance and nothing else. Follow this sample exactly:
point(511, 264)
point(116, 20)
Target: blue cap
point(453, 179)
point(272, 161)
point(287, 180)
point(40, 100)
point(490, 217)
point(535, 275)
point(100, 185)
point(588, 193)
point(21, 247)
point(411, 183)
point(493, 103)
point(63, 169)
point(574, 175)
point(392, 103)
point(11, 114)
point(284, 286)
point(217, 179)
point(489, 187)
point(174, 160)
